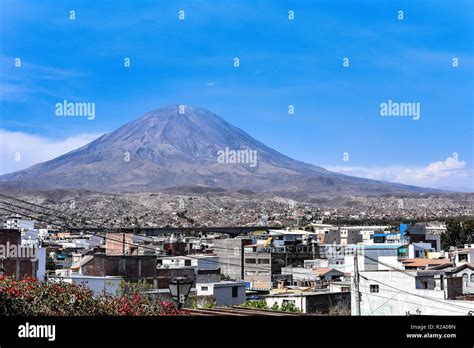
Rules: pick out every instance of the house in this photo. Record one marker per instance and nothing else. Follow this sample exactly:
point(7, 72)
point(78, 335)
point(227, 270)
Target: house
point(264, 259)
point(226, 293)
point(421, 232)
point(206, 267)
point(464, 255)
point(420, 264)
point(312, 301)
point(311, 276)
point(466, 272)
point(411, 292)
point(109, 285)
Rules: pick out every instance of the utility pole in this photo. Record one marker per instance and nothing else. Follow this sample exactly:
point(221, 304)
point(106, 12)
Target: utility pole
point(356, 282)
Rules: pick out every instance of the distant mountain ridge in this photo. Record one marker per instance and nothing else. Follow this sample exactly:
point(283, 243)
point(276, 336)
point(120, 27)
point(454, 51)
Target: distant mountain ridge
point(166, 148)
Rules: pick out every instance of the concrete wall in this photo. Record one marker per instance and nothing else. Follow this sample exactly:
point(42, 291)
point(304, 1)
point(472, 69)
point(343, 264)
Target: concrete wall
point(230, 253)
point(222, 292)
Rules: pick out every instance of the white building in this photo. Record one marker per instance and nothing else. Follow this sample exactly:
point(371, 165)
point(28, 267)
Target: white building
point(389, 292)
point(464, 255)
point(17, 223)
point(200, 262)
point(108, 284)
point(226, 293)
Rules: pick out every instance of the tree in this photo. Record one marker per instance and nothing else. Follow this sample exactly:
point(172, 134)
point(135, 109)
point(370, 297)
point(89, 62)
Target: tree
point(457, 233)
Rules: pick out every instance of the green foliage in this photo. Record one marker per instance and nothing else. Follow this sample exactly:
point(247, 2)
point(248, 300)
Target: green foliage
point(29, 297)
point(225, 277)
point(260, 304)
point(458, 233)
point(289, 307)
point(127, 288)
point(210, 305)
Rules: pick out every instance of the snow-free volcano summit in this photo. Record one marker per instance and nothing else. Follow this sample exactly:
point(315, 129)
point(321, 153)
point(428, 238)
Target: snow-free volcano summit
point(188, 146)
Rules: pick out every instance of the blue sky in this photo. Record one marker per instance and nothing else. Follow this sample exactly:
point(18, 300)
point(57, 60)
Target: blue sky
point(283, 62)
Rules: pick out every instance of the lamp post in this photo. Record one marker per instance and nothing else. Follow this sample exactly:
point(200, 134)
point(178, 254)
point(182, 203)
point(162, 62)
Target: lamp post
point(179, 290)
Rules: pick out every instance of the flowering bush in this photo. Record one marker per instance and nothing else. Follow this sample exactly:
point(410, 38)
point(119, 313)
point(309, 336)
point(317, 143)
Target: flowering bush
point(31, 297)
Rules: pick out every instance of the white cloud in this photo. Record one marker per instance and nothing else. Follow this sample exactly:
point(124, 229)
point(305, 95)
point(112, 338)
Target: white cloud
point(34, 149)
point(451, 174)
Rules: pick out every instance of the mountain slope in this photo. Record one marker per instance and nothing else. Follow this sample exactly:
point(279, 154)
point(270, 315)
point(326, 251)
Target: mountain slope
point(165, 148)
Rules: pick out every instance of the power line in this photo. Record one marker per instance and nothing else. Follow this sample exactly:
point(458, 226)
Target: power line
point(253, 267)
point(151, 248)
point(415, 303)
point(417, 295)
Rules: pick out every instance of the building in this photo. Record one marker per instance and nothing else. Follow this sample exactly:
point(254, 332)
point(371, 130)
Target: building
point(420, 232)
point(466, 273)
point(312, 301)
point(206, 267)
point(17, 223)
point(311, 276)
point(226, 293)
point(109, 285)
point(426, 292)
point(464, 255)
point(119, 244)
point(231, 256)
point(18, 260)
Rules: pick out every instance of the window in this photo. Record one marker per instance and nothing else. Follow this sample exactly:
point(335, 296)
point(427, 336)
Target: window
point(402, 252)
point(462, 257)
point(472, 277)
point(374, 288)
point(465, 278)
point(187, 262)
point(264, 261)
point(160, 262)
point(250, 260)
point(204, 288)
point(288, 302)
point(235, 291)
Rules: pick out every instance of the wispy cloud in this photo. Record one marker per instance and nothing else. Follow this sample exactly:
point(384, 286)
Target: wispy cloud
point(20, 150)
point(18, 83)
point(451, 174)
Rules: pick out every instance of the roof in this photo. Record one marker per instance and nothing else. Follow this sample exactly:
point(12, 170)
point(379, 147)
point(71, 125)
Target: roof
point(424, 262)
point(463, 266)
point(82, 261)
point(324, 271)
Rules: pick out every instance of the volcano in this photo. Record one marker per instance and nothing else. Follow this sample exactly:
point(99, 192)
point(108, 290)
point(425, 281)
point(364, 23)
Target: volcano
point(178, 146)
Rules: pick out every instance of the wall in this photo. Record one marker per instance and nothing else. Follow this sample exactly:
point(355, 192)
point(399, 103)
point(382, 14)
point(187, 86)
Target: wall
point(132, 268)
point(399, 297)
point(18, 268)
point(223, 294)
point(230, 253)
point(320, 303)
point(98, 285)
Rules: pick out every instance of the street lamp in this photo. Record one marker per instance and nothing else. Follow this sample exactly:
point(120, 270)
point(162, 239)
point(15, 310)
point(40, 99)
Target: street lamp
point(179, 289)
